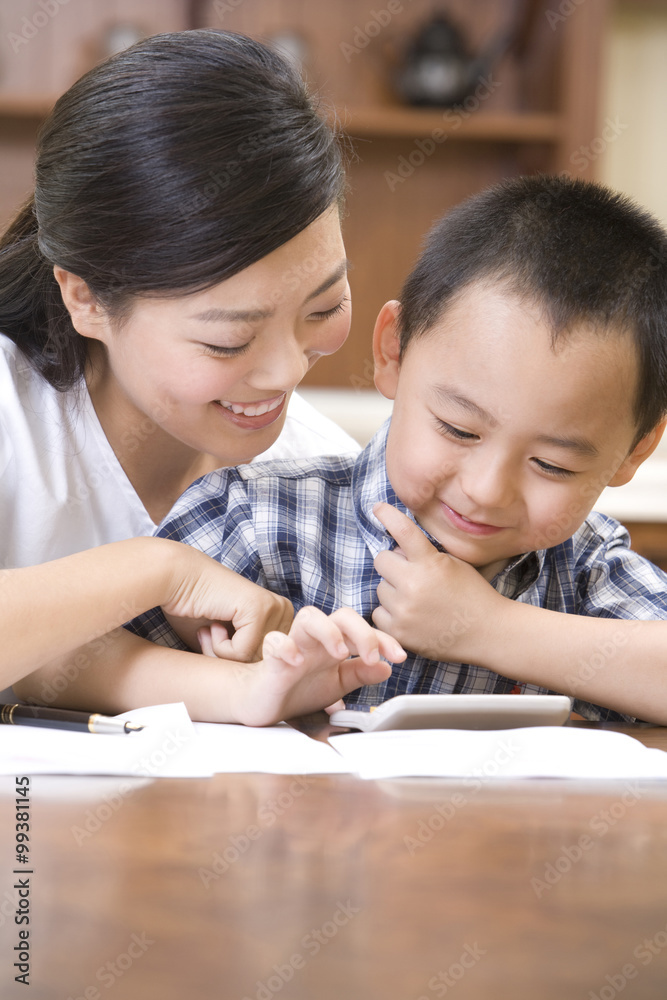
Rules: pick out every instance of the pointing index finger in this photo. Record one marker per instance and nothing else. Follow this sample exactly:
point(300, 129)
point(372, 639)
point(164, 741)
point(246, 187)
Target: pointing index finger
point(408, 536)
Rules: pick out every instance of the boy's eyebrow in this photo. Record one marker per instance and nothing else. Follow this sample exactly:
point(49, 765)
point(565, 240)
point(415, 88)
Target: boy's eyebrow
point(218, 315)
point(581, 445)
point(447, 394)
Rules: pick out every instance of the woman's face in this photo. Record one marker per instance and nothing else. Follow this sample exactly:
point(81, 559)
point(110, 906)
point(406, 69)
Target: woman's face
point(215, 370)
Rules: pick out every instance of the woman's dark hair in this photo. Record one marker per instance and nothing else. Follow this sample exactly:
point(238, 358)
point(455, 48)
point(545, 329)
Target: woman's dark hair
point(164, 170)
point(584, 253)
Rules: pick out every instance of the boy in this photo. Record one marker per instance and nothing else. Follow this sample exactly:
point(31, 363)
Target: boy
point(527, 361)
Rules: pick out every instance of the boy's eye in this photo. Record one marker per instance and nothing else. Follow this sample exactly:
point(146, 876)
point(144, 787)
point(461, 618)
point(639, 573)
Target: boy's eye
point(553, 470)
point(329, 313)
point(455, 433)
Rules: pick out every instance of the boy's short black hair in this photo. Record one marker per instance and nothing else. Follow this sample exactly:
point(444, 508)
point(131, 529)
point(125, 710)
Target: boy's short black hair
point(584, 253)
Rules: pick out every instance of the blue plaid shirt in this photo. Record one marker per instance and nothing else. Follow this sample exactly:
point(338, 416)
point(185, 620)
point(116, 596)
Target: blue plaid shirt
point(305, 529)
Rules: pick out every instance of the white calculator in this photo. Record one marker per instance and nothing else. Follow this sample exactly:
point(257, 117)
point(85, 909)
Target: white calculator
point(458, 711)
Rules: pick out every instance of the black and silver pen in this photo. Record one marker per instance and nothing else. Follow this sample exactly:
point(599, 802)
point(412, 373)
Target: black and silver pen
point(60, 718)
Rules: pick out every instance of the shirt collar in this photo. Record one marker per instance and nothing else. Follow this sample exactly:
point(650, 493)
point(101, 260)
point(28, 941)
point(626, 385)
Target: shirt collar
point(519, 574)
point(370, 485)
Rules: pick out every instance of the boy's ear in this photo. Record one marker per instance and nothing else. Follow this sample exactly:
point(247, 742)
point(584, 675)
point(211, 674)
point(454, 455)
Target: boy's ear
point(639, 454)
point(87, 315)
point(386, 348)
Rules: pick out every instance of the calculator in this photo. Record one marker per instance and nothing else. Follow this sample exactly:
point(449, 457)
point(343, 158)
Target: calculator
point(457, 711)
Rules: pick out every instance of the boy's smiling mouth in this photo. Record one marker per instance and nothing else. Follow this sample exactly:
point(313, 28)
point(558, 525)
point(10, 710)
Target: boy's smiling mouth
point(463, 523)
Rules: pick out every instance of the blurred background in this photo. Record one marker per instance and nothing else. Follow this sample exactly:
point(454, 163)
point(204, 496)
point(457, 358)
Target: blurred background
point(438, 99)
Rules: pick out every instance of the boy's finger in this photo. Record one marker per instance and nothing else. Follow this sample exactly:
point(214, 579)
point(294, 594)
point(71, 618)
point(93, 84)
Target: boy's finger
point(355, 673)
point(390, 564)
point(409, 537)
point(366, 641)
point(214, 641)
point(279, 646)
point(381, 618)
point(390, 649)
point(322, 630)
point(205, 642)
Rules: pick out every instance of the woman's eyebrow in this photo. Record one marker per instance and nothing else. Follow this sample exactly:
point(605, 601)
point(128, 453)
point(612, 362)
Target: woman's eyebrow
point(233, 315)
point(335, 276)
point(218, 315)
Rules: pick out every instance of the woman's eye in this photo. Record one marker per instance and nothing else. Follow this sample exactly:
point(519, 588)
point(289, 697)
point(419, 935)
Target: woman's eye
point(329, 313)
point(226, 352)
point(553, 470)
point(455, 433)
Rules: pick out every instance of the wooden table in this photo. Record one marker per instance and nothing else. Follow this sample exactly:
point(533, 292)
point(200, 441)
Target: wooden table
point(322, 888)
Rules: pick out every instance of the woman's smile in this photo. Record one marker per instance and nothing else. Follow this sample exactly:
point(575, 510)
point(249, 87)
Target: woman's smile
point(253, 415)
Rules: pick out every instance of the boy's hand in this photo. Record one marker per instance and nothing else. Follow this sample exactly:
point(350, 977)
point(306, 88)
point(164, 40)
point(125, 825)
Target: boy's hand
point(433, 603)
point(323, 658)
point(206, 597)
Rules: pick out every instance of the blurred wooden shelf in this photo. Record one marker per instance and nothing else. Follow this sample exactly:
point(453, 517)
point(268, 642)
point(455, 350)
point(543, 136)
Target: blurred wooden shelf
point(25, 107)
point(409, 123)
point(408, 165)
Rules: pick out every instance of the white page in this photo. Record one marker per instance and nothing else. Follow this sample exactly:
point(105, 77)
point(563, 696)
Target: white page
point(167, 748)
point(541, 751)
point(273, 750)
point(170, 746)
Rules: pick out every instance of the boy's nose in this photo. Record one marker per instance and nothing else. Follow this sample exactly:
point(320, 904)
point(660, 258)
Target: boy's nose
point(489, 484)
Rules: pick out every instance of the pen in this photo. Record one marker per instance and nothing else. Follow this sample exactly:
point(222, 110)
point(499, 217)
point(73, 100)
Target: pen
point(59, 718)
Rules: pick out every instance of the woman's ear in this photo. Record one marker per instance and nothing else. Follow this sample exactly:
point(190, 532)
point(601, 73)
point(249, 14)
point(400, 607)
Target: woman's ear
point(386, 348)
point(87, 315)
point(639, 454)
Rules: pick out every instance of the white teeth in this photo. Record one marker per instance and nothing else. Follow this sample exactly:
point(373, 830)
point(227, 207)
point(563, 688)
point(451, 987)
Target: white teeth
point(253, 409)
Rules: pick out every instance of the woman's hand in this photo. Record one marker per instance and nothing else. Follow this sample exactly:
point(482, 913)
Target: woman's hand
point(216, 610)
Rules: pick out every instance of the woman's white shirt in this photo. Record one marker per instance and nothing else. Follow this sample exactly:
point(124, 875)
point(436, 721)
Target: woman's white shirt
point(62, 488)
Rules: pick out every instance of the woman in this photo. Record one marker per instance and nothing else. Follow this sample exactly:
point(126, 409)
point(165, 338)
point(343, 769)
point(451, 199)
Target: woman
point(176, 274)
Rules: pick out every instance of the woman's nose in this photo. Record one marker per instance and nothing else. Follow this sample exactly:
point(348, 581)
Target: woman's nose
point(282, 366)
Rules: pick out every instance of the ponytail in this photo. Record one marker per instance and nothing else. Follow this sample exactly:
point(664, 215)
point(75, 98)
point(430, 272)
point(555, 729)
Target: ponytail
point(32, 312)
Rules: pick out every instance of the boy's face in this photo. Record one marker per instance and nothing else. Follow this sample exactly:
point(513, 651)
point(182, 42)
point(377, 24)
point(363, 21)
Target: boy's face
point(498, 443)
